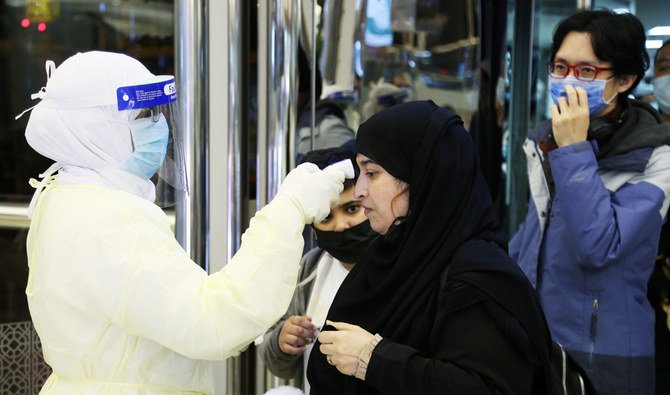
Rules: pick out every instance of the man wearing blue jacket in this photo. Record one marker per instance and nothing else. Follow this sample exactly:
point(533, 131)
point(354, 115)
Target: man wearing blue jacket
point(599, 175)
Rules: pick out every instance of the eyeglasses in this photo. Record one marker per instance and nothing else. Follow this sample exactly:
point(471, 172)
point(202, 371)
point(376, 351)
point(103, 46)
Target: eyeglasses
point(583, 72)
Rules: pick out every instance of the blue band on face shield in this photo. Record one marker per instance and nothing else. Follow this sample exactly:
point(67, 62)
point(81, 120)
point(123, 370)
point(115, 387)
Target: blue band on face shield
point(151, 140)
point(146, 95)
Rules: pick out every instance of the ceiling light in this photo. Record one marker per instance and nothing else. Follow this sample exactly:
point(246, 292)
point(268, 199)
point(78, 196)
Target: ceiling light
point(659, 31)
point(653, 44)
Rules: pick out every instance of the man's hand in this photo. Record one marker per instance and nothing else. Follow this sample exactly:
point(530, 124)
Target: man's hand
point(570, 117)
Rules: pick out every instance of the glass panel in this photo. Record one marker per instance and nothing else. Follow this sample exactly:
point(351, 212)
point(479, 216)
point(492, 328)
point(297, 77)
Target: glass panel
point(34, 31)
point(450, 52)
point(430, 50)
point(547, 15)
point(528, 110)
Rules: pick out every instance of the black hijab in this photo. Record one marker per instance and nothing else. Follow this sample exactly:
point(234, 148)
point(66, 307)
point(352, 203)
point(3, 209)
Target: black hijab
point(393, 290)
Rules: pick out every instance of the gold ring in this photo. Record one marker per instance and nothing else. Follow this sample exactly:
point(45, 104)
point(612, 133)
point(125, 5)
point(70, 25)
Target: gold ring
point(329, 358)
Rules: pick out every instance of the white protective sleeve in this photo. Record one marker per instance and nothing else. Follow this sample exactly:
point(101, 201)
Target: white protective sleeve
point(176, 304)
point(218, 316)
point(107, 276)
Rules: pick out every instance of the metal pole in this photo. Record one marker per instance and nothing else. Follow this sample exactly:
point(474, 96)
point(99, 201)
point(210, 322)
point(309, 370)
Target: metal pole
point(235, 146)
point(517, 181)
point(237, 382)
point(279, 94)
point(263, 78)
point(278, 33)
point(332, 9)
point(191, 70)
point(313, 77)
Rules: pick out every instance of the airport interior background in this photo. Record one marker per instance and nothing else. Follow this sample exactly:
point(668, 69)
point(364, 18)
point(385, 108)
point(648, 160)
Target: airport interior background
point(236, 64)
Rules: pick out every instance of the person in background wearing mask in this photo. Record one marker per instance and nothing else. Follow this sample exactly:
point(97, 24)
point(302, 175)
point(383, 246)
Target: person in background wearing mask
point(658, 292)
point(599, 176)
point(662, 80)
point(659, 283)
point(341, 238)
point(119, 306)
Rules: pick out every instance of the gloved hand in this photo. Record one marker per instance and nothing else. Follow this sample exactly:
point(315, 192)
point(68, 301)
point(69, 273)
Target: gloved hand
point(313, 190)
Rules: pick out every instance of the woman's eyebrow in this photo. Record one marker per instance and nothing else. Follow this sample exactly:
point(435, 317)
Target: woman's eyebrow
point(367, 161)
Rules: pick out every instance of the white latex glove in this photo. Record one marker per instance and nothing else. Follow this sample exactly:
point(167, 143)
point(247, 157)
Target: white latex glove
point(313, 191)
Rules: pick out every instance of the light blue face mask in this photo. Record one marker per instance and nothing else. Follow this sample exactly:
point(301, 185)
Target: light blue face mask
point(662, 93)
point(595, 91)
point(151, 140)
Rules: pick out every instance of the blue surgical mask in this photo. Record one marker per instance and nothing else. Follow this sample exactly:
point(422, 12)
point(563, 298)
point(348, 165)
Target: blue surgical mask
point(662, 93)
point(595, 91)
point(151, 140)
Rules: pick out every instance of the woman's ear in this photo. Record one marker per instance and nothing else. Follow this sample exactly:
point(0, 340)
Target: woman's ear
point(624, 82)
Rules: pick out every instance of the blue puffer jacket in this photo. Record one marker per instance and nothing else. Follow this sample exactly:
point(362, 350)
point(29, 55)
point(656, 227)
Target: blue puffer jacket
point(589, 249)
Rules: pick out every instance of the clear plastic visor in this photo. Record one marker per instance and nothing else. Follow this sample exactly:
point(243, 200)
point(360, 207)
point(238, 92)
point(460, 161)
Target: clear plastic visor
point(151, 103)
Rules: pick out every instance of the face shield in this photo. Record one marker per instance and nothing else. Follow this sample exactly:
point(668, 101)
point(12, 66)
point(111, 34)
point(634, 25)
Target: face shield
point(158, 152)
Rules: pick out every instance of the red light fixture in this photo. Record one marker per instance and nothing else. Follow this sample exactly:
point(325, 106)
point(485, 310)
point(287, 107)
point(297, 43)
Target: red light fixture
point(25, 22)
point(41, 27)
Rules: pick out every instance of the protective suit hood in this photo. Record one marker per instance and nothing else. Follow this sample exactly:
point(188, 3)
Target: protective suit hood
point(77, 124)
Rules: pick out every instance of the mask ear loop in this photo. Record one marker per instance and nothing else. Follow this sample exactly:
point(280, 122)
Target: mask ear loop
point(608, 102)
point(50, 67)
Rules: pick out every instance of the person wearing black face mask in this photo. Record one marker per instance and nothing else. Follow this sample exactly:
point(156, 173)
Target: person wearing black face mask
point(341, 239)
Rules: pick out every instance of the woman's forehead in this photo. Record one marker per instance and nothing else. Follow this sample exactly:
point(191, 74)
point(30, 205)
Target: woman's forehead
point(363, 160)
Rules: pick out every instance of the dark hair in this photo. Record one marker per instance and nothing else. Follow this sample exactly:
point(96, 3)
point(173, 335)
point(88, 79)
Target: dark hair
point(327, 156)
point(665, 44)
point(616, 38)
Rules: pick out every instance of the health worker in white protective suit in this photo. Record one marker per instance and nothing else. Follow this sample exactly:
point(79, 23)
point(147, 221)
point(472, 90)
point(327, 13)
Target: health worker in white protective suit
point(118, 305)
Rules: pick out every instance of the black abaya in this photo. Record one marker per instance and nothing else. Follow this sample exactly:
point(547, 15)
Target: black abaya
point(441, 334)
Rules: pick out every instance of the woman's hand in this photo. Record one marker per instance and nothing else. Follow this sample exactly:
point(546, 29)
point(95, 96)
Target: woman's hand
point(570, 117)
point(343, 346)
point(296, 332)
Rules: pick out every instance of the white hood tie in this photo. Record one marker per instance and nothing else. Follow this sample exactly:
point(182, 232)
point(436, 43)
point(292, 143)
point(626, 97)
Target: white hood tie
point(39, 186)
point(50, 66)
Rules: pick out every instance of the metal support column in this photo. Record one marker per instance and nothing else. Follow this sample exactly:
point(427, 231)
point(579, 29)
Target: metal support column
point(278, 35)
point(517, 181)
point(279, 28)
point(191, 70)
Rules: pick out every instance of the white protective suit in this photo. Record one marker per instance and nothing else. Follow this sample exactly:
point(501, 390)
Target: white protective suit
point(118, 305)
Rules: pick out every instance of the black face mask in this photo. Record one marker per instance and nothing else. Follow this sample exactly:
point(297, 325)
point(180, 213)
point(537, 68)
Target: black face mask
point(347, 246)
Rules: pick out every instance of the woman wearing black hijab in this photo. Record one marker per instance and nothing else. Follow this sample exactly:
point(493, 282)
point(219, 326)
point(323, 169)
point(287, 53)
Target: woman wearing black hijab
point(452, 313)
